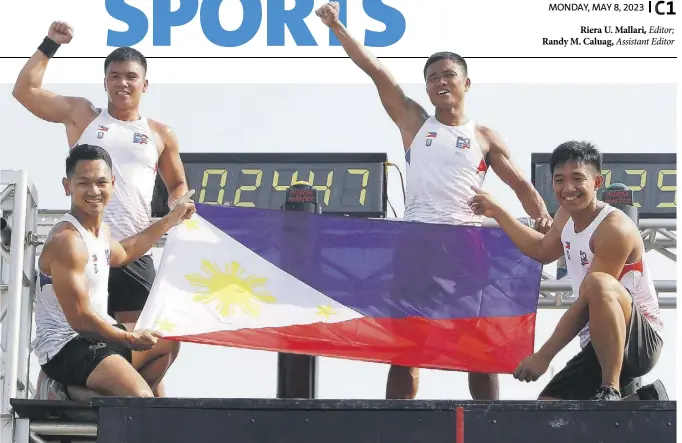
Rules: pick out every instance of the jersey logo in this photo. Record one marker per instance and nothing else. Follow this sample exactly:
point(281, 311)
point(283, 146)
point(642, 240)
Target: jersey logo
point(583, 258)
point(568, 250)
point(101, 130)
point(463, 143)
point(94, 263)
point(429, 137)
point(108, 254)
point(140, 138)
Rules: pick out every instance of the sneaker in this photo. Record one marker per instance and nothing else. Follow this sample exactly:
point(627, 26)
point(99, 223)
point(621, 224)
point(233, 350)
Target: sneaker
point(654, 391)
point(607, 393)
point(49, 389)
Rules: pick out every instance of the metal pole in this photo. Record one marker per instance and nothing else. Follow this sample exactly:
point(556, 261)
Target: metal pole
point(6, 192)
point(27, 303)
point(64, 429)
point(297, 374)
point(16, 283)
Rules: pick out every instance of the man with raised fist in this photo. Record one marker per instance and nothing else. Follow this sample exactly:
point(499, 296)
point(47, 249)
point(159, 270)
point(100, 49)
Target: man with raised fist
point(139, 148)
point(446, 154)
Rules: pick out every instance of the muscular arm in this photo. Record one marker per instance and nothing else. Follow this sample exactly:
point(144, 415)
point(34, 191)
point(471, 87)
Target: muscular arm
point(612, 244)
point(544, 248)
point(68, 258)
point(44, 104)
point(170, 165)
point(407, 114)
point(132, 248)
point(503, 165)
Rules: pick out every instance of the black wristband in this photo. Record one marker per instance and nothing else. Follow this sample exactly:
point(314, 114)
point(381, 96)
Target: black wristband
point(49, 47)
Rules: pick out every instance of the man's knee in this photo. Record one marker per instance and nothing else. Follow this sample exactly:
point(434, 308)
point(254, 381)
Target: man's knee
point(404, 371)
point(482, 376)
point(145, 392)
point(115, 376)
point(170, 348)
point(600, 287)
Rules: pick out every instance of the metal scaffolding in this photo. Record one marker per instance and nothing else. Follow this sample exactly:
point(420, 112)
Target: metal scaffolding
point(23, 228)
point(19, 204)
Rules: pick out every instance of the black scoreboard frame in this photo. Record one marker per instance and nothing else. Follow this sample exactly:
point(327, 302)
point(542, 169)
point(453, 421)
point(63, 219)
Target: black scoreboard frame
point(642, 159)
point(159, 206)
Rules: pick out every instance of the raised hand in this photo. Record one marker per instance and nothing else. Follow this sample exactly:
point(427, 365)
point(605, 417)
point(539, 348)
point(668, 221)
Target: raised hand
point(60, 32)
point(329, 13)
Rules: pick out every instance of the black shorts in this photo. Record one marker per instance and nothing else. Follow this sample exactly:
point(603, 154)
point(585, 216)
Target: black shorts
point(74, 363)
point(130, 285)
point(581, 377)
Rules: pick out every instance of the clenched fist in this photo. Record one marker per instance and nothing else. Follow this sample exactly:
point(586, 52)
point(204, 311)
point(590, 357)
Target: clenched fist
point(60, 32)
point(143, 340)
point(329, 13)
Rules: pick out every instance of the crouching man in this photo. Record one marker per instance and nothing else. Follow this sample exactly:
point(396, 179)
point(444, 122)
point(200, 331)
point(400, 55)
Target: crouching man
point(616, 314)
point(83, 351)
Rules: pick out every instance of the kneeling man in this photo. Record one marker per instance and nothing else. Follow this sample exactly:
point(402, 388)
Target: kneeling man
point(81, 349)
point(616, 313)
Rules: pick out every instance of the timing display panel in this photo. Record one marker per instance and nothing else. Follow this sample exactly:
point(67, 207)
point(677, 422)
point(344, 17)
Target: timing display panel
point(651, 177)
point(353, 184)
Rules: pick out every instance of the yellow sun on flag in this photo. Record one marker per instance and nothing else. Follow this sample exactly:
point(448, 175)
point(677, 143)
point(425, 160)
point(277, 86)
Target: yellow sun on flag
point(325, 311)
point(191, 224)
point(230, 290)
point(164, 325)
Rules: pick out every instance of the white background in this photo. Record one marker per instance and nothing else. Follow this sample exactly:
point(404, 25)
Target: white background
point(534, 103)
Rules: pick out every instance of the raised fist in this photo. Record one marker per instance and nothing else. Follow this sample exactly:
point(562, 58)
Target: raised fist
point(60, 32)
point(329, 13)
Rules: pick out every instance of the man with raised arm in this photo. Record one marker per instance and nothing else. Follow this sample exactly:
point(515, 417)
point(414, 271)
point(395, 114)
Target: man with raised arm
point(139, 148)
point(77, 343)
point(616, 314)
point(446, 154)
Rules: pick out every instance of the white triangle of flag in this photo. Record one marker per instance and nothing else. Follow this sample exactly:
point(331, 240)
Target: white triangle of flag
point(207, 281)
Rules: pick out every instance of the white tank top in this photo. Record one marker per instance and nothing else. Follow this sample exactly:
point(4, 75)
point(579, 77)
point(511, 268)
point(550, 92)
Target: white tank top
point(52, 329)
point(442, 164)
point(134, 155)
point(635, 277)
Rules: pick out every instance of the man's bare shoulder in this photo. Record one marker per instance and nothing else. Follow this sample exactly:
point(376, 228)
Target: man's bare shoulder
point(487, 131)
point(616, 227)
point(83, 110)
point(64, 244)
point(162, 129)
point(165, 135)
point(489, 138)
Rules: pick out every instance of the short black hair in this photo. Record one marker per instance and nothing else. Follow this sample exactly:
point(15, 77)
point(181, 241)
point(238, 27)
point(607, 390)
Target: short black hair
point(85, 152)
point(584, 152)
point(458, 59)
point(125, 54)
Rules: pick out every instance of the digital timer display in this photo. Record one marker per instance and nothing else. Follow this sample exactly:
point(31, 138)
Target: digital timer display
point(352, 184)
point(651, 177)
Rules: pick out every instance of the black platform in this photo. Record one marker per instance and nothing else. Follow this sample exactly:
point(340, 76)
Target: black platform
point(169, 420)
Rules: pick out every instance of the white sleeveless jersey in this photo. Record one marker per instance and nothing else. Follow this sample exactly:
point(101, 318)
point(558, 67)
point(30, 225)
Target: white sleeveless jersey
point(442, 164)
point(635, 277)
point(53, 331)
point(135, 162)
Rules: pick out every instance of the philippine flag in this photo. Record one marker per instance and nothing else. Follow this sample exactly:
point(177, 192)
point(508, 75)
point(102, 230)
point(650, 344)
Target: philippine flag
point(423, 295)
